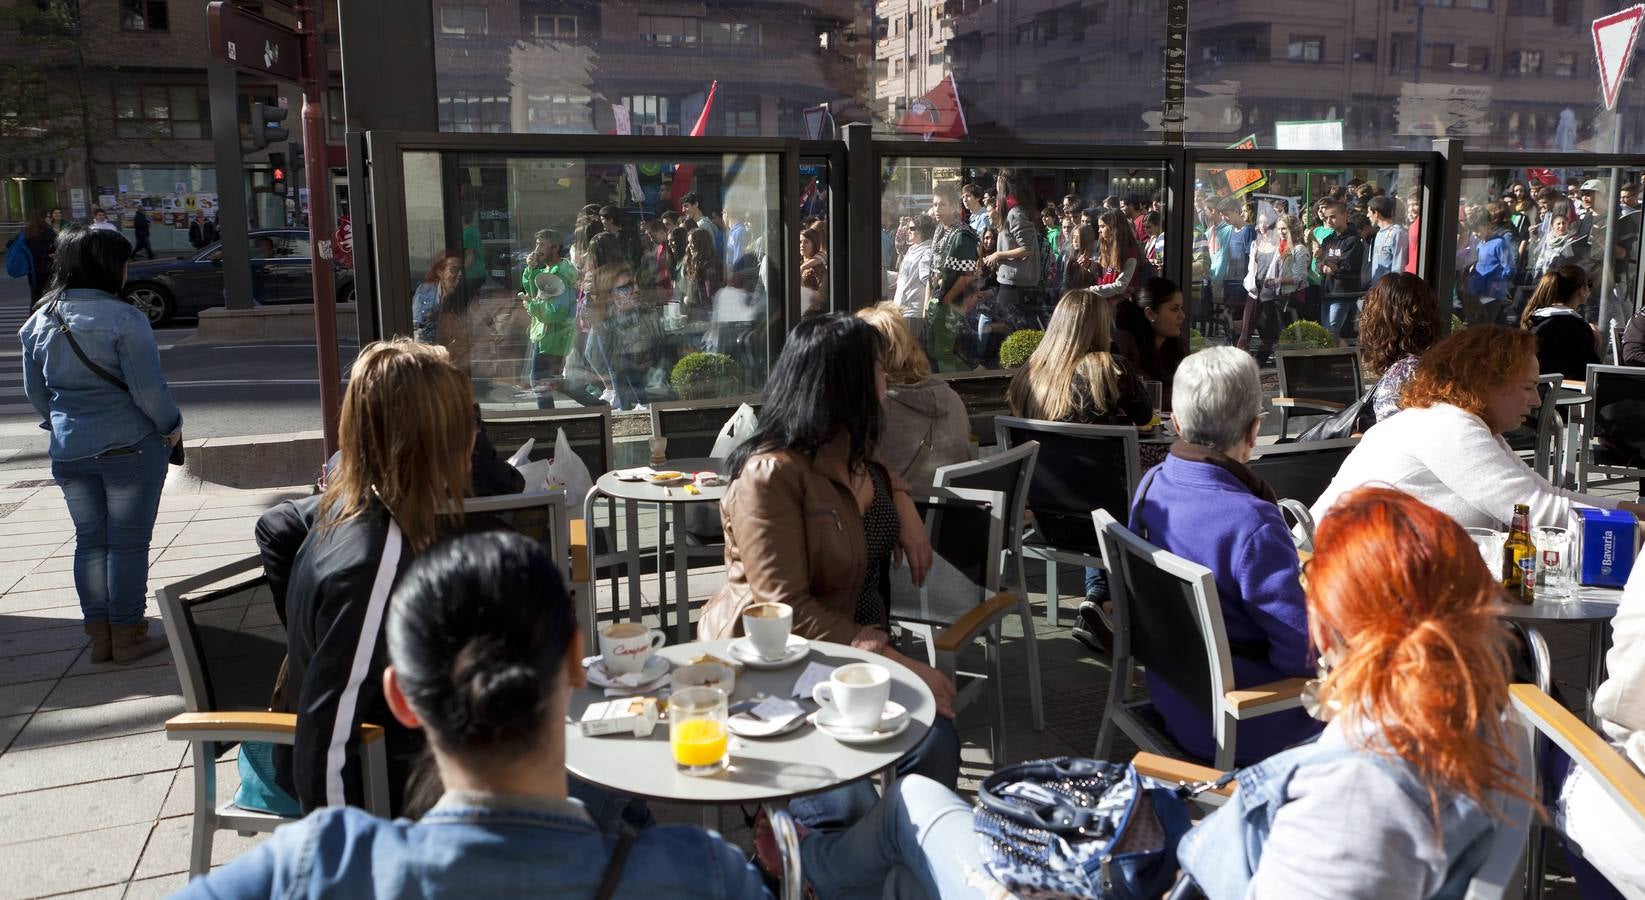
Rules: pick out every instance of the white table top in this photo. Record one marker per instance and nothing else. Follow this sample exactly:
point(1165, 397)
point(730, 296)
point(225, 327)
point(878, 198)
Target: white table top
point(1588, 605)
point(803, 761)
point(646, 492)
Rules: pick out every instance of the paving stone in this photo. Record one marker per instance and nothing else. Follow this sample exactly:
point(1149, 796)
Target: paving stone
point(77, 808)
point(23, 699)
point(168, 847)
point(180, 800)
point(72, 862)
point(53, 727)
point(136, 754)
point(234, 550)
point(114, 684)
point(43, 640)
point(27, 535)
point(36, 666)
point(9, 726)
point(24, 600)
point(45, 581)
point(156, 888)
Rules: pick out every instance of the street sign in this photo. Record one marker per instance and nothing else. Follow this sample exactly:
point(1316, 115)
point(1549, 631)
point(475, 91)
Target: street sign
point(342, 243)
point(1614, 37)
point(253, 44)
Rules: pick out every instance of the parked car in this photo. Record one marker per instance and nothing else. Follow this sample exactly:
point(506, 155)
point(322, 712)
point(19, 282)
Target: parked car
point(280, 273)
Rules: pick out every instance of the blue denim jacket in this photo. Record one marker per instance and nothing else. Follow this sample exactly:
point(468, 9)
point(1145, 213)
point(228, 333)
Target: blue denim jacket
point(1224, 851)
point(87, 415)
point(479, 845)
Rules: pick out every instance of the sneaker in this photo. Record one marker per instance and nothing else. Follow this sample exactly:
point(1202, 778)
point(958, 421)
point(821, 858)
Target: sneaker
point(1094, 630)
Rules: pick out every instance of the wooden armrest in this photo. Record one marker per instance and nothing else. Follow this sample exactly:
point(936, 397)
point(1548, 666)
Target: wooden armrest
point(1305, 403)
point(1266, 694)
point(1178, 771)
point(197, 726)
point(1303, 556)
point(968, 626)
point(1573, 384)
point(579, 551)
point(1611, 769)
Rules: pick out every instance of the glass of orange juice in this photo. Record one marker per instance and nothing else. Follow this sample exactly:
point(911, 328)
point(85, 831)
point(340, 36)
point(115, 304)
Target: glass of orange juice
point(696, 730)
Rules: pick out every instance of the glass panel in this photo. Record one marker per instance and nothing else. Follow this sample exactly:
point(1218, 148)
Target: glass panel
point(1396, 74)
point(561, 281)
point(966, 279)
point(1276, 245)
point(1518, 224)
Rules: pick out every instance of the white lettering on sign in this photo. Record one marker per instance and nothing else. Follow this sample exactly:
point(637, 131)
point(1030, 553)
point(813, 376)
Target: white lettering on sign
point(325, 249)
point(233, 52)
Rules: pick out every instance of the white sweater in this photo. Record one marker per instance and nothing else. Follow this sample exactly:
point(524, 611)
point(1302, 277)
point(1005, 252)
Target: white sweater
point(1449, 459)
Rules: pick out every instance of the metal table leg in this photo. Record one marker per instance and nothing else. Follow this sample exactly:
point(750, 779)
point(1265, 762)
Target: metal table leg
point(662, 573)
point(631, 558)
point(682, 573)
point(1596, 664)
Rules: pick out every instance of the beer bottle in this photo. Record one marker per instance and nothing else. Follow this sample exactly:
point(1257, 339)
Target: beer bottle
point(1519, 557)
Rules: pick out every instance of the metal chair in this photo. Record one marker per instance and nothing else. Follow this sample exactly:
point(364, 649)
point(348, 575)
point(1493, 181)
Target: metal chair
point(1010, 473)
point(1301, 472)
point(1316, 383)
point(1616, 410)
point(1079, 468)
point(1301, 521)
point(1544, 446)
point(1160, 601)
point(539, 515)
point(228, 644)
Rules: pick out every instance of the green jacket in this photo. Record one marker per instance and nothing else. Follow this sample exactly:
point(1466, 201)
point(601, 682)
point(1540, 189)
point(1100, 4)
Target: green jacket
point(552, 330)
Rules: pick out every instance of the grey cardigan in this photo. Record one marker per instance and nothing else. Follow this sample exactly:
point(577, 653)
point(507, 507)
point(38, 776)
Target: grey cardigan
point(1020, 231)
point(918, 413)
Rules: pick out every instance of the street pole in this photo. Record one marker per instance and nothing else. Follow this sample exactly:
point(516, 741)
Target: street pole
point(235, 257)
point(317, 171)
point(1608, 267)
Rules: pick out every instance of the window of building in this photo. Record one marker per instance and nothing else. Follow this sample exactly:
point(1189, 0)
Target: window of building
point(1524, 62)
point(1305, 48)
point(50, 17)
point(896, 67)
point(1139, 7)
point(896, 27)
point(1027, 84)
point(144, 15)
point(730, 34)
point(1365, 50)
point(671, 31)
point(1527, 7)
point(162, 111)
point(1565, 64)
point(473, 111)
point(335, 123)
point(1400, 47)
point(1480, 4)
point(1479, 59)
point(1441, 2)
point(1567, 12)
point(563, 113)
point(555, 28)
point(1439, 56)
point(742, 116)
point(650, 110)
point(463, 20)
point(934, 58)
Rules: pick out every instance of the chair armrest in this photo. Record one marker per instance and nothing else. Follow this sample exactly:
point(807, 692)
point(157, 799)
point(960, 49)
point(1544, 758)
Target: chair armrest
point(1611, 769)
point(966, 628)
point(579, 551)
point(1305, 403)
point(1265, 698)
point(1178, 771)
point(278, 728)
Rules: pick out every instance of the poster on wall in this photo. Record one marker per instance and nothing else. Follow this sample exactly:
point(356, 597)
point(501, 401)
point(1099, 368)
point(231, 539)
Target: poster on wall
point(77, 202)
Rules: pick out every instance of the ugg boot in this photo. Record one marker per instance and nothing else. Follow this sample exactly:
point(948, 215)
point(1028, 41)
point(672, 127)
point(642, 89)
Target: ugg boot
point(133, 642)
point(102, 643)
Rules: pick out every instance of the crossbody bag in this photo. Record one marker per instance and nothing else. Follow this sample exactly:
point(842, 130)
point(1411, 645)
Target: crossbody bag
point(63, 329)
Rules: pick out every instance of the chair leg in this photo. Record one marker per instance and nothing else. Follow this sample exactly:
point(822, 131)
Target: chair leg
point(1224, 728)
point(205, 808)
point(1036, 700)
point(1053, 596)
point(996, 673)
point(1536, 862)
point(927, 637)
point(662, 567)
point(1118, 678)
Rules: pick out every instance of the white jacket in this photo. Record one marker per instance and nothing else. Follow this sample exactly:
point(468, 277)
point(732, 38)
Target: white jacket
point(1448, 458)
point(1620, 701)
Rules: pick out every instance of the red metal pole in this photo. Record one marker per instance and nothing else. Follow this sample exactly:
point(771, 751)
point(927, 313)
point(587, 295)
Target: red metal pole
point(317, 175)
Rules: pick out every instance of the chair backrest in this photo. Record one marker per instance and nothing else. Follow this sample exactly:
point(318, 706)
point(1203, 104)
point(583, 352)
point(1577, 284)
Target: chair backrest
point(1332, 375)
point(588, 429)
point(692, 427)
point(1010, 473)
point(1618, 414)
point(1078, 468)
point(1160, 601)
point(226, 637)
point(1301, 471)
point(539, 515)
point(1547, 388)
point(1616, 343)
point(984, 396)
point(967, 529)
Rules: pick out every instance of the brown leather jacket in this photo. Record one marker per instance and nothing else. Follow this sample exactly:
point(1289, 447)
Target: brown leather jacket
point(793, 533)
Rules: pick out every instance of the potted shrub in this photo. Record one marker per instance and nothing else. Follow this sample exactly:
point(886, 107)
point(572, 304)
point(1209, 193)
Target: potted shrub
point(1457, 324)
point(704, 376)
point(1306, 335)
point(1016, 349)
point(1196, 341)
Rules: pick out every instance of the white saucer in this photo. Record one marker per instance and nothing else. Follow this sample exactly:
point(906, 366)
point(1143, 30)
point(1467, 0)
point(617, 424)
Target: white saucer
point(743, 726)
point(655, 668)
point(894, 721)
point(745, 653)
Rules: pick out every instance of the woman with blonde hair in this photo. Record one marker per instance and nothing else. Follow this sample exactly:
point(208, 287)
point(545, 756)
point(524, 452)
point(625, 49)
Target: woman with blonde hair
point(405, 439)
point(1073, 376)
point(926, 426)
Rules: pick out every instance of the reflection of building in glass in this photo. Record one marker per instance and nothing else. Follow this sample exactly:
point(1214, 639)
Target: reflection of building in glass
point(562, 66)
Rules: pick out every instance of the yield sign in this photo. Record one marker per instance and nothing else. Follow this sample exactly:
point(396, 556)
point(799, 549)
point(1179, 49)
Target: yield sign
point(1614, 37)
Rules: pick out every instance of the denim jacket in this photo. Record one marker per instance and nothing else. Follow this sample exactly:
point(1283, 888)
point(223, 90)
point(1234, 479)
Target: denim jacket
point(475, 844)
point(85, 414)
point(1365, 831)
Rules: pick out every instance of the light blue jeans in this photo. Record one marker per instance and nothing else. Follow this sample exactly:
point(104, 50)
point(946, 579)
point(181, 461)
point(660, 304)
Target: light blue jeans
point(918, 837)
point(113, 500)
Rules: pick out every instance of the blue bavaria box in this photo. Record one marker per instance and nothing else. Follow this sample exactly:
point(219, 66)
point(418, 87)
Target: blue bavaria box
point(1607, 543)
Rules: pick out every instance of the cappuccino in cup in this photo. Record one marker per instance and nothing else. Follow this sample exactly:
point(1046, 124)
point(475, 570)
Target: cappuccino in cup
point(856, 694)
point(767, 626)
point(625, 646)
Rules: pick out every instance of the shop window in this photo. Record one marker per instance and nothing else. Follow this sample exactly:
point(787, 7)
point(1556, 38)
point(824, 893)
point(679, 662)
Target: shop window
point(1527, 7)
point(562, 113)
point(555, 28)
point(1479, 59)
point(1305, 48)
point(464, 21)
point(144, 15)
point(671, 31)
point(1565, 64)
point(472, 111)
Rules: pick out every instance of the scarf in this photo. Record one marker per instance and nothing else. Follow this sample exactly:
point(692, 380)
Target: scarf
point(1210, 455)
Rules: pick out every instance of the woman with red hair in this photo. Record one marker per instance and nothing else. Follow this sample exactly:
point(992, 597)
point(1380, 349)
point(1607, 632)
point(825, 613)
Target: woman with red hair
point(1446, 447)
point(1400, 795)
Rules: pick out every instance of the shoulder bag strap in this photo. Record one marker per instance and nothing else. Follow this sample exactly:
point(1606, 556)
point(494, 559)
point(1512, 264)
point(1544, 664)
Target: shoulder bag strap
point(63, 329)
point(613, 874)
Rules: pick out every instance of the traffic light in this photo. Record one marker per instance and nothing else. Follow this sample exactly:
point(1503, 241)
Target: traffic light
point(294, 154)
point(265, 124)
point(278, 161)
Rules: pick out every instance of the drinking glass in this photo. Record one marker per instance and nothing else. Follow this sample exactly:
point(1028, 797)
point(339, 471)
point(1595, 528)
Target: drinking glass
point(1155, 392)
point(696, 730)
point(1553, 554)
point(1490, 544)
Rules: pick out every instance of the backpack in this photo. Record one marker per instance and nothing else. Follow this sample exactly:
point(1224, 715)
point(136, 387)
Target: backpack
point(19, 259)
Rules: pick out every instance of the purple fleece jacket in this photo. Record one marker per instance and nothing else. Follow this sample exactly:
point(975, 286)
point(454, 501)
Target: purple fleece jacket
point(1203, 514)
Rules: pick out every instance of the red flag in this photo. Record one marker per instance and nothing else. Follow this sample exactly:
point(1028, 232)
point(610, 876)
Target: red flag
point(938, 114)
point(683, 173)
point(708, 104)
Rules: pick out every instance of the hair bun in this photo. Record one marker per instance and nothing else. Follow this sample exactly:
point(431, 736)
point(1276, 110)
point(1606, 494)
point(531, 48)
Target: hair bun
point(498, 698)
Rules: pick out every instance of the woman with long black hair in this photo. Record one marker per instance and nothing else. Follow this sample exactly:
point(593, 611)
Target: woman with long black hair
point(1153, 327)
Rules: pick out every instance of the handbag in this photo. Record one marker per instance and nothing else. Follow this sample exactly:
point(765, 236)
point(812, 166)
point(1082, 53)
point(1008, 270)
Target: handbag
point(1355, 418)
point(1080, 828)
point(19, 258)
point(176, 457)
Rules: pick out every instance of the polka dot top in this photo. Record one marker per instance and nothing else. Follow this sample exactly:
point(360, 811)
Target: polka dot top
point(879, 532)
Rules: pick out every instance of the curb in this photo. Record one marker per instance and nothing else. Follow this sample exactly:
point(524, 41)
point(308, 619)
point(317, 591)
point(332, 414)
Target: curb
point(248, 462)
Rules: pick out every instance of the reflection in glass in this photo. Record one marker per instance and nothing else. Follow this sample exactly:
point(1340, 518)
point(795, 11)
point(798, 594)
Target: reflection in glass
point(574, 281)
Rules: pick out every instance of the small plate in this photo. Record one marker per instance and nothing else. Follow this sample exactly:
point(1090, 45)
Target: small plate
point(655, 668)
point(893, 721)
point(667, 477)
point(743, 726)
point(743, 651)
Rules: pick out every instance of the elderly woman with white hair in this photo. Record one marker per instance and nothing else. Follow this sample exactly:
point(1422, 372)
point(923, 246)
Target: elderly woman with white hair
point(1204, 505)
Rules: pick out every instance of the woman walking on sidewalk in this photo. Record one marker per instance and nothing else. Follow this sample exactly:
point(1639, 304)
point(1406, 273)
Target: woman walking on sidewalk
point(92, 370)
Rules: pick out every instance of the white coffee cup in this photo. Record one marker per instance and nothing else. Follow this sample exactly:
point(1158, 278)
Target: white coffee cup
point(856, 694)
point(767, 626)
point(625, 646)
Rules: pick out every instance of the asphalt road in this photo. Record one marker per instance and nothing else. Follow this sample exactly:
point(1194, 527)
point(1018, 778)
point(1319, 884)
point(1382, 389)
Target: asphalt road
point(224, 390)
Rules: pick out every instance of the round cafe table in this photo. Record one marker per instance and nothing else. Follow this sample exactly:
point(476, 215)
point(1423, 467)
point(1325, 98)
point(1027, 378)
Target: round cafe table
point(762, 770)
point(1593, 607)
point(670, 499)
